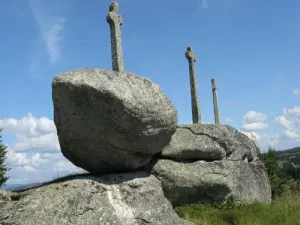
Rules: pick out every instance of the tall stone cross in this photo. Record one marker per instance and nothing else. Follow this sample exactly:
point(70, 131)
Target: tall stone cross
point(215, 99)
point(193, 84)
point(115, 21)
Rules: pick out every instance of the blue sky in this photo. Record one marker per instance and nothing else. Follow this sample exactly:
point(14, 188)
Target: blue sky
point(251, 47)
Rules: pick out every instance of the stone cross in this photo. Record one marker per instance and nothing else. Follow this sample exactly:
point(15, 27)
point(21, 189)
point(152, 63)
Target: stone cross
point(215, 99)
point(193, 84)
point(115, 21)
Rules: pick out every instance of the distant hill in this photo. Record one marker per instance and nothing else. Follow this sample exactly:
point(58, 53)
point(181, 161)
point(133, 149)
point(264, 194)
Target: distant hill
point(289, 162)
point(11, 186)
point(18, 186)
point(289, 155)
point(291, 150)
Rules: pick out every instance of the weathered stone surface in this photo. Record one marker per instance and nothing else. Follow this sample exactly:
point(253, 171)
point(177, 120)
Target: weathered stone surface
point(209, 142)
point(109, 121)
point(123, 199)
point(5, 195)
point(186, 145)
point(210, 182)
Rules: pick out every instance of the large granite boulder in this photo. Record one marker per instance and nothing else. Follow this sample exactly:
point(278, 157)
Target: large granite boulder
point(208, 163)
point(209, 142)
point(212, 182)
point(120, 199)
point(109, 121)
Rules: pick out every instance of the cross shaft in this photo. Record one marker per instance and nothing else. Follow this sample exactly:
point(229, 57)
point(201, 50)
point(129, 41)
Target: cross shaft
point(215, 100)
point(115, 21)
point(193, 85)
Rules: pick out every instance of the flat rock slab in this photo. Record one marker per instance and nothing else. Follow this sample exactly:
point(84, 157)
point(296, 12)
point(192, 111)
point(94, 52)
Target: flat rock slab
point(211, 182)
point(120, 199)
point(110, 121)
point(209, 142)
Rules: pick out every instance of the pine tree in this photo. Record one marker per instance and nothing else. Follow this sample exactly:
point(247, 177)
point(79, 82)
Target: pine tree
point(276, 176)
point(3, 168)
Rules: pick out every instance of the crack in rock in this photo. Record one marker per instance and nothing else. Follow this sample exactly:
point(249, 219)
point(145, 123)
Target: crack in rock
point(222, 143)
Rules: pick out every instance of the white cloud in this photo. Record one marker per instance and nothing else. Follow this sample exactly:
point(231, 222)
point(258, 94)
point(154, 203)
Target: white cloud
point(53, 38)
point(16, 159)
point(293, 112)
point(63, 165)
point(253, 116)
point(296, 92)
point(254, 126)
point(48, 142)
point(263, 141)
point(253, 121)
point(291, 134)
point(290, 120)
point(35, 155)
point(273, 140)
point(29, 168)
point(32, 133)
point(267, 141)
point(51, 28)
point(28, 126)
point(283, 121)
point(288, 138)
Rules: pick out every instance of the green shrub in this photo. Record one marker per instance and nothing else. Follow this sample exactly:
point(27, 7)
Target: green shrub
point(3, 168)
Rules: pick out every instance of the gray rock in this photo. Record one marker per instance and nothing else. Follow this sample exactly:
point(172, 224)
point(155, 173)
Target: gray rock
point(186, 145)
point(210, 182)
point(5, 195)
point(123, 199)
point(110, 121)
point(209, 142)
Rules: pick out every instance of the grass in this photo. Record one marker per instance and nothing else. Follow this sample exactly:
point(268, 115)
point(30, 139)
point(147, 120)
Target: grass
point(284, 210)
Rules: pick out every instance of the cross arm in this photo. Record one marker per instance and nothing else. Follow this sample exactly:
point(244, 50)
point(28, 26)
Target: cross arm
point(112, 17)
point(190, 56)
point(120, 20)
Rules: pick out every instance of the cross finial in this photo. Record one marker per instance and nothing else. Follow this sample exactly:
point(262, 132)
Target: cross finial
point(115, 21)
point(190, 55)
point(213, 83)
point(114, 7)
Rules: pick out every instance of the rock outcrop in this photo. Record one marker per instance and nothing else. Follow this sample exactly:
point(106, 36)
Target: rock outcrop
point(206, 163)
point(212, 182)
point(110, 121)
point(209, 142)
point(120, 199)
point(116, 122)
point(5, 195)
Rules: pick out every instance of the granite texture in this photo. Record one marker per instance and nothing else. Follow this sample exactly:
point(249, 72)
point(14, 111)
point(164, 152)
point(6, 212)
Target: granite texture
point(119, 199)
point(209, 142)
point(109, 121)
